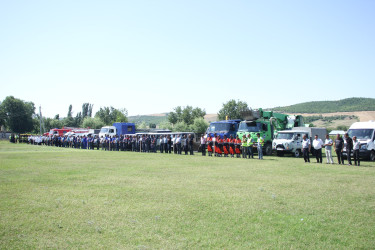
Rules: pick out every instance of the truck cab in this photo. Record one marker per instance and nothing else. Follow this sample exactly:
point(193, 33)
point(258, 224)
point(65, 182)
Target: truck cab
point(264, 128)
point(365, 133)
point(288, 141)
point(221, 128)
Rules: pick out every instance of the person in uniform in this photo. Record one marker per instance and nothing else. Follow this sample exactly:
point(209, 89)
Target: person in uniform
point(209, 145)
point(191, 142)
point(250, 146)
point(260, 143)
point(161, 144)
point(232, 146)
point(349, 148)
point(225, 147)
point(238, 147)
point(339, 145)
point(244, 146)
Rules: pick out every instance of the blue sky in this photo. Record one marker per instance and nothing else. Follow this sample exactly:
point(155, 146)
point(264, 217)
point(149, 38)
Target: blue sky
point(151, 56)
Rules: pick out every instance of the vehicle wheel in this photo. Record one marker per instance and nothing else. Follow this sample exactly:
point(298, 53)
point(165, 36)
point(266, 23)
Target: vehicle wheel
point(297, 153)
point(372, 155)
point(280, 154)
point(268, 149)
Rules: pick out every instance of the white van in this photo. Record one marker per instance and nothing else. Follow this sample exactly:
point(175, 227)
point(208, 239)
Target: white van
point(365, 133)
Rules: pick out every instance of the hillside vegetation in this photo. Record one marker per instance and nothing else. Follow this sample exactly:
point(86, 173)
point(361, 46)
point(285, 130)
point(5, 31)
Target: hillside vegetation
point(344, 105)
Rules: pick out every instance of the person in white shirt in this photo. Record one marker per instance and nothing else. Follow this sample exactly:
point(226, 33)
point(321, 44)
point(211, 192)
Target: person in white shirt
point(203, 145)
point(317, 144)
point(328, 148)
point(306, 146)
point(356, 147)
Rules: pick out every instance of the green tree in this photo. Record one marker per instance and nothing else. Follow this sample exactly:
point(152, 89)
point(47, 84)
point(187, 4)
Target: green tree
point(110, 115)
point(186, 114)
point(92, 122)
point(17, 115)
point(166, 125)
point(232, 109)
point(199, 126)
point(181, 127)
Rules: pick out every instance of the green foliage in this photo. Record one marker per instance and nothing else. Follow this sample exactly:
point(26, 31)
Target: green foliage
point(199, 126)
point(109, 115)
point(344, 105)
point(148, 119)
point(309, 119)
point(342, 127)
point(232, 109)
point(142, 125)
point(17, 115)
point(181, 127)
point(166, 125)
point(92, 122)
point(186, 114)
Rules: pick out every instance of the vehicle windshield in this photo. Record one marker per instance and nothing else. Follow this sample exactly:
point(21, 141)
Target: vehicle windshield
point(104, 130)
point(361, 134)
point(286, 136)
point(216, 127)
point(249, 127)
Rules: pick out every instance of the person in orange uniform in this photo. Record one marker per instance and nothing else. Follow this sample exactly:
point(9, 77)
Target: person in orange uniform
point(226, 146)
point(219, 147)
point(209, 145)
point(232, 146)
point(238, 147)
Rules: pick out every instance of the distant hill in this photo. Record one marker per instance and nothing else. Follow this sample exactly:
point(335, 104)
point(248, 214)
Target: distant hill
point(344, 105)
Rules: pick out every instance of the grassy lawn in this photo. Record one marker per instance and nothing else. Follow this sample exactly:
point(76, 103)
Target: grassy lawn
point(68, 198)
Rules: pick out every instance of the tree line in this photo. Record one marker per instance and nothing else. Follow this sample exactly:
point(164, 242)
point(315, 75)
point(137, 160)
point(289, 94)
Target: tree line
point(20, 116)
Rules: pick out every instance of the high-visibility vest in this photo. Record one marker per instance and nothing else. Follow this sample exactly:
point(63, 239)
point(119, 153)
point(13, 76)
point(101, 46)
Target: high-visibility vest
point(260, 141)
point(250, 142)
point(244, 142)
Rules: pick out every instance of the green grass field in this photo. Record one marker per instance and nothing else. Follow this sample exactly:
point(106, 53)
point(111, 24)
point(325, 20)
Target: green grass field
point(68, 198)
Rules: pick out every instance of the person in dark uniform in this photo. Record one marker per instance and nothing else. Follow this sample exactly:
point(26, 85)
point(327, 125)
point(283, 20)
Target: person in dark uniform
point(349, 148)
point(339, 145)
point(191, 142)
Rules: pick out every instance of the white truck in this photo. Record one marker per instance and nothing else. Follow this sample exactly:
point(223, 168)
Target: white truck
point(290, 141)
point(365, 133)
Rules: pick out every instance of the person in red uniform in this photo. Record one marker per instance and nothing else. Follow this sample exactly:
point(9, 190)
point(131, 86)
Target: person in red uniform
point(219, 147)
point(209, 145)
point(238, 147)
point(232, 146)
point(226, 146)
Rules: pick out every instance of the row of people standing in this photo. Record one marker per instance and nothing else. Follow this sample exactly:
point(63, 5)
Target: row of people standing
point(350, 145)
point(245, 146)
point(176, 143)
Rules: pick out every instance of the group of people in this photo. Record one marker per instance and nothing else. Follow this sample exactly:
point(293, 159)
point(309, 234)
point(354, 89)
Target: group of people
point(244, 146)
point(135, 143)
point(350, 145)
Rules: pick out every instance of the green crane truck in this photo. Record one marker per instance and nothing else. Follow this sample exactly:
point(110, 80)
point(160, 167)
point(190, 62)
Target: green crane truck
point(267, 124)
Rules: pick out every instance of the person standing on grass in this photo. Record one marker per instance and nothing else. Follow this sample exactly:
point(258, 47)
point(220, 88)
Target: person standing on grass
point(244, 146)
point(328, 148)
point(317, 144)
point(339, 145)
point(191, 142)
point(260, 143)
point(250, 146)
point(203, 145)
point(356, 147)
point(349, 148)
point(306, 147)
